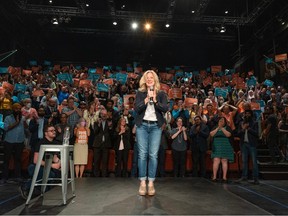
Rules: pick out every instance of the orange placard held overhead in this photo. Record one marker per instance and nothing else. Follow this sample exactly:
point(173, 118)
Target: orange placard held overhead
point(207, 81)
point(108, 81)
point(99, 70)
point(38, 93)
point(27, 72)
point(190, 101)
point(7, 86)
point(175, 93)
point(215, 69)
point(281, 57)
point(164, 87)
point(85, 83)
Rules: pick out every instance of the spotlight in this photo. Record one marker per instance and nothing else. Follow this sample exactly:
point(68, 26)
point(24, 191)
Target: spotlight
point(134, 25)
point(192, 11)
point(123, 6)
point(147, 26)
point(50, 1)
point(115, 23)
point(222, 29)
point(87, 5)
point(167, 25)
point(283, 23)
point(54, 21)
point(226, 12)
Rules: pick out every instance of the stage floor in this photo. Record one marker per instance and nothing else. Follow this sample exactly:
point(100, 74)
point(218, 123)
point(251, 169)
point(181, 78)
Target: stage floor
point(181, 196)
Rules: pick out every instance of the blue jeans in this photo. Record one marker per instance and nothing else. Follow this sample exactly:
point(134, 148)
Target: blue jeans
point(148, 141)
point(247, 149)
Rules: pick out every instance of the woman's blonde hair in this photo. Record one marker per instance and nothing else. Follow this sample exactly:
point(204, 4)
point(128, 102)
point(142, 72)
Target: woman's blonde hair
point(142, 83)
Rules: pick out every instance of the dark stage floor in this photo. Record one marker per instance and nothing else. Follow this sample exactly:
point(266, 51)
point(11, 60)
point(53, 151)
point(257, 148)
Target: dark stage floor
point(181, 196)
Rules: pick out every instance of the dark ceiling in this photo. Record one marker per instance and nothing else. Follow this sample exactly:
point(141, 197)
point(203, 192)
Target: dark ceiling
point(89, 35)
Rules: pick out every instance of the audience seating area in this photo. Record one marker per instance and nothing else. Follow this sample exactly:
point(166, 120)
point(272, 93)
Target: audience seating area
point(235, 167)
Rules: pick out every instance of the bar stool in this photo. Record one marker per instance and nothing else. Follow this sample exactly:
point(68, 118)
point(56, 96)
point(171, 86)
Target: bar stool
point(66, 155)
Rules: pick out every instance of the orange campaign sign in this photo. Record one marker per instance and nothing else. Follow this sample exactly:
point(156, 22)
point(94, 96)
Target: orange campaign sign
point(38, 93)
point(27, 72)
point(164, 87)
point(14, 71)
point(7, 86)
point(99, 70)
point(217, 84)
point(281, 57)
point(240, 84)
point(175, 93)
point(215, 69)
point(85, 83)
point(255, 106)
point(207, 81)
point(190, 101)
point(108, 81)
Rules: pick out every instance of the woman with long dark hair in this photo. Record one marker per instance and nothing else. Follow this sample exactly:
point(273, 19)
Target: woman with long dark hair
point(122, 147)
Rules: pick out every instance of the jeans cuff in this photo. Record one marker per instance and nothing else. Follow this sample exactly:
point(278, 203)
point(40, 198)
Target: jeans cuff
point(151, 179)
point(142, 178)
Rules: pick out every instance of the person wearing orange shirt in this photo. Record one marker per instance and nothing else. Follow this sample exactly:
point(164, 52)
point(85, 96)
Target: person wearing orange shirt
point(81, 132)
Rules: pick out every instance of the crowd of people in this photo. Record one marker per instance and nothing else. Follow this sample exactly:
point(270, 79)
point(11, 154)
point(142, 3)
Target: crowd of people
point(104, 120)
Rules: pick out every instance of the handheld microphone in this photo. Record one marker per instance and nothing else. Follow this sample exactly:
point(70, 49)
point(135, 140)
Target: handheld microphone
point(151, 98)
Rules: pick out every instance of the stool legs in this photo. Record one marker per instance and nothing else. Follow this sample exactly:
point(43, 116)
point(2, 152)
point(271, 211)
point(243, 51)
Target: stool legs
point(36, 171)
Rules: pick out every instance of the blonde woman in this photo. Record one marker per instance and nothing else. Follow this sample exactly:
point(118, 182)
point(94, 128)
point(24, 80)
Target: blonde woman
point(150, 104)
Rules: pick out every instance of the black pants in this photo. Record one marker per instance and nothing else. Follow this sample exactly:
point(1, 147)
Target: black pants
point(98, 154)
point(179, 163)
point(122, 161)
point(16, 150)
point(198, 158)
